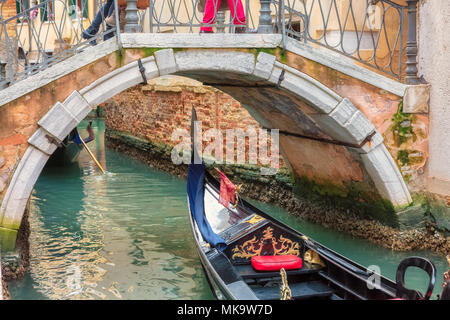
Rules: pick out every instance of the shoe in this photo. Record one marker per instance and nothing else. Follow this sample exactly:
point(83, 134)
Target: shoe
point(205, 31)
point(244, 30)
point(86, 35)
point(240, 30)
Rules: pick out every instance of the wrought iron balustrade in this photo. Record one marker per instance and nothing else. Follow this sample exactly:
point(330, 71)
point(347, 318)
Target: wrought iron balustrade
point(369, 31)
point(44, 34)
point(377, 33)
point(186, 16)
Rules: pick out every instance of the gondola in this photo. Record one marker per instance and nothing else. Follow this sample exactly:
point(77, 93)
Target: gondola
point(69, 150)
point(248, 255)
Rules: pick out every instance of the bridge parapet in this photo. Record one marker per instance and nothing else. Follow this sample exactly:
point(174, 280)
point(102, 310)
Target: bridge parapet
point(371, 32)
point(345, 107)
point(312, 115)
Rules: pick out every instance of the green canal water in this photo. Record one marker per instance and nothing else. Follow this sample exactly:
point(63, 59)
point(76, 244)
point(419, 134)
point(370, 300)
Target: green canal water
point(126, 235)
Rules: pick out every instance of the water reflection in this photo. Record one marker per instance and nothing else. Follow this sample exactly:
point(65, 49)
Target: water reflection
point(365, 252)
point(126, 235)
point(123, 235)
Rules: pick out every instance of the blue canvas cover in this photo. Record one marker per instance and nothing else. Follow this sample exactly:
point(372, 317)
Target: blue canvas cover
point(195, 190)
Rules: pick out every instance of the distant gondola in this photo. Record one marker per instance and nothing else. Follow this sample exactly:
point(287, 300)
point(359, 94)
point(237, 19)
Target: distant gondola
point(246, 254)
point(69, 150)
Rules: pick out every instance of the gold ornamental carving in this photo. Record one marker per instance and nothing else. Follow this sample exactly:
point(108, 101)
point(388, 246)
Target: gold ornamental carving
point(254, 246)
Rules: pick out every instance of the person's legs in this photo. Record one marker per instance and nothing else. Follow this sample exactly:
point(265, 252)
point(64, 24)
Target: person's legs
point(209, 16)
point(98, 19)
point(237, 12)
point(109, 28)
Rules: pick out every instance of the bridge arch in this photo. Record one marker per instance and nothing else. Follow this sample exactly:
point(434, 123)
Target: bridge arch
point(346, 146)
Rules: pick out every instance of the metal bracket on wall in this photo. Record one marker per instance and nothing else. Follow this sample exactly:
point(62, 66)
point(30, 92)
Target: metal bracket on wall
point(142, 71)
point(55, 141)
point(281, 78)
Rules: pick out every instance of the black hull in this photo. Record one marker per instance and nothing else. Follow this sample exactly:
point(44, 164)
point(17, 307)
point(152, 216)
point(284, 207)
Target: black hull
point(65, 156)
point(233, 278)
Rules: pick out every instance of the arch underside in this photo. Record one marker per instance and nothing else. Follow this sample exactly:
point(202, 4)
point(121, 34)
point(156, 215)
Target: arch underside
point(323, 137)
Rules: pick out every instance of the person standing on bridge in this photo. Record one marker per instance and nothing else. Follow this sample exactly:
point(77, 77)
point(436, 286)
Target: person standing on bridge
point(236, 10)
point(106, 11)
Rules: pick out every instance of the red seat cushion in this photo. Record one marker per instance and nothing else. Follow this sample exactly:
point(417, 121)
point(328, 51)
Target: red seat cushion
point(275, 263)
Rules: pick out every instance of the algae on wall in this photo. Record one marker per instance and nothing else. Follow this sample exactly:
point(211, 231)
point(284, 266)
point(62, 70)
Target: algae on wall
point(405, 136)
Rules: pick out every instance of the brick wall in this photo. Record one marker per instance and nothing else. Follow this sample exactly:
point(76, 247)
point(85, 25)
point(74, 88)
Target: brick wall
point(154, 111)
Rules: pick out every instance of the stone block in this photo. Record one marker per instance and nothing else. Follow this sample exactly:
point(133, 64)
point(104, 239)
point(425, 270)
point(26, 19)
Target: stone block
point(416, 99)
point(42, 140)
point(151, 68)
point(380, 165)
point(310, 90)
point(165, 60)
point(277, 70)
point(264, 65)
point(359, 126)
point(118, 81)
point(344, 111)
point(386, 176)
point(58, 121)
point(20, 187)
point(77, 106)
point(195, 40)
point(215, 60)
point(345, 123)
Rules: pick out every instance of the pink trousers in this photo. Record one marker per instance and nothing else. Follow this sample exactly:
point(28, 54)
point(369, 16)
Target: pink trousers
point(211, 7)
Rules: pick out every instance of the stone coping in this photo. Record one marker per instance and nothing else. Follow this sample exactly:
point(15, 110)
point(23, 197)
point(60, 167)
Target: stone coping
point(323, 56)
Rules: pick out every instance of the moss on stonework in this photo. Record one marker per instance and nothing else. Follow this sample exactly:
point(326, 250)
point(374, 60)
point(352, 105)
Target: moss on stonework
point(407, 158)
point(272, 51)
point(402, 126)
point(427, 212)
point(403, 157)
point(147, 52)
point(175, 50)
point(351, 198)
point(120, 56)
point(277, 52)
point(7, 239)
point(139, 143)
point(403, 131)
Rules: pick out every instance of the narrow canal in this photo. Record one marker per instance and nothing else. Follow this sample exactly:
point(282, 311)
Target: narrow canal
point(126, 235)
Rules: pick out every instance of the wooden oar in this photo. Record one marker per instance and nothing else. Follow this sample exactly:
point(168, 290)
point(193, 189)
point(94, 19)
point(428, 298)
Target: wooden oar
point(92, 156)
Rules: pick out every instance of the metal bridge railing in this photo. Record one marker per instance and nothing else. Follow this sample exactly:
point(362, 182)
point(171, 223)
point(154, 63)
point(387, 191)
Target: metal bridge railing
point(44, 34)
point(369, 31)
point(187, 16)
point(373, 32)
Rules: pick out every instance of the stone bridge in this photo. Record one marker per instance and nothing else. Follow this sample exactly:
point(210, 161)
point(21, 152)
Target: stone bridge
point(338, 121)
